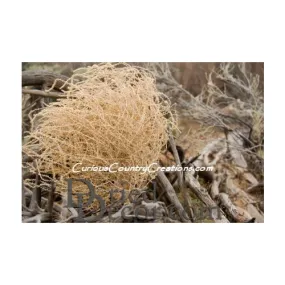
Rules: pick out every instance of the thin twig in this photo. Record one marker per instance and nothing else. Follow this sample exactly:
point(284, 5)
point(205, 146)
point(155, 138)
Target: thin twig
point(51, 199)
point(55, 95)
point(186, 196)
point(172, 196)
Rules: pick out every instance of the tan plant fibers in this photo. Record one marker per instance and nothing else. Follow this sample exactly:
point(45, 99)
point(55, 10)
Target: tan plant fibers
point(112, 114)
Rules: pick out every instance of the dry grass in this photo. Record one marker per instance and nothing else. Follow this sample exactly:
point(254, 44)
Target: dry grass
point(112, 114)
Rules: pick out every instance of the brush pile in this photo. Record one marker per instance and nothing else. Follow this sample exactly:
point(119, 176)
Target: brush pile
point(122, 114)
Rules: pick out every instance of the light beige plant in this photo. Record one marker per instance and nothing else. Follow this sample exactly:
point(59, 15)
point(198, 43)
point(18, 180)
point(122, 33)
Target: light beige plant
point(112, 114)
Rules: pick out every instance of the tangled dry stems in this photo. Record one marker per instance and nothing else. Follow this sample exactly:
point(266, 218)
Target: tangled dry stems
point(112, 114)
point(239, 103)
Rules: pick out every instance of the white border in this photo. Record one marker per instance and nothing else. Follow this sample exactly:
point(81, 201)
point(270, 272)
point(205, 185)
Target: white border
point(140, 31)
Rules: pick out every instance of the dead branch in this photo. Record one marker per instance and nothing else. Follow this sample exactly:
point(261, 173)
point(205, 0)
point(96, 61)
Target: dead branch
point(43, 77)
point(186, 196)
point(50, 200)
point(250, 205)
point(117, 217)
point(171, 195)
point(74, 215)
point(259, 188)
point(203, 195)
point(236, 213)
point(177, 160)
point(215, 186)
point(54, 95)
point(59, 209)
point(38, 188)
point(23, 195)
point(39, 218)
